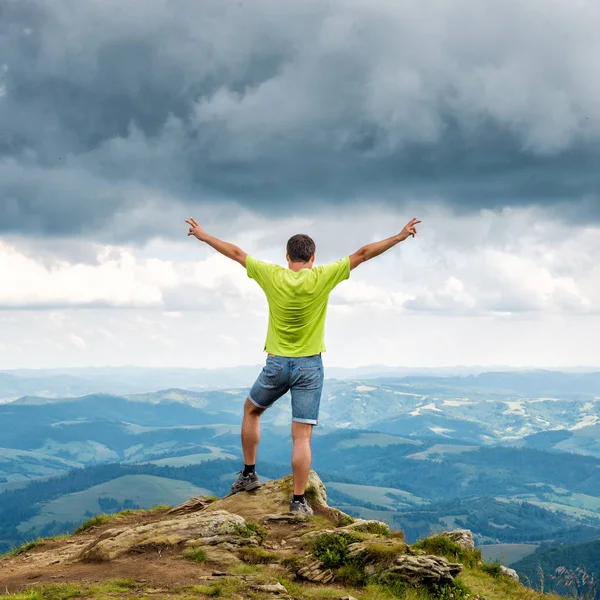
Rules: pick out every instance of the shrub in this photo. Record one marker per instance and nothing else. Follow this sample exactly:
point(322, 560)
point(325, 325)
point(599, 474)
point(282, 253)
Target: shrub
point(332, 548)
point(440, 546)
point(493, 569)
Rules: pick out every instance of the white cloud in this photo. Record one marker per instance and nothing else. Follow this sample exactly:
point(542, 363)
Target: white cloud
point(494, 288)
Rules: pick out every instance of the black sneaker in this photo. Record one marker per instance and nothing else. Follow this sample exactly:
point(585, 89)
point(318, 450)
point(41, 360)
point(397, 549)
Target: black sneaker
point(301, 507)
point(245, 483)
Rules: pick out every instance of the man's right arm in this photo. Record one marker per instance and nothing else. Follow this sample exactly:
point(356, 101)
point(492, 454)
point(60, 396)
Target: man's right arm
point(376, 248)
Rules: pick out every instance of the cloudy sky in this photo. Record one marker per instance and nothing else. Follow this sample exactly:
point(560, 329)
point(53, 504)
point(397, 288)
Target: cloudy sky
point(262, 118)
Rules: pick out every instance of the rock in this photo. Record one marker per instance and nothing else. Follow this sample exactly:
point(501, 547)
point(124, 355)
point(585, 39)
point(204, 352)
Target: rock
point(348, 598)
point(272, 588)
point(380, 549)
point(367, 526)
point(271, 498)
point(312, 569)
point(510, 573)
point(197, 529)
point(463, 537)
point(191, 506)
point(419, 570)
point(290, 518)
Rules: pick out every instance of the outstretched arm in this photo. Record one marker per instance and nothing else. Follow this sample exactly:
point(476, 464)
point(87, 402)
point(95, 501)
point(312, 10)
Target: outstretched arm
point(376, 248)
point(225, 248)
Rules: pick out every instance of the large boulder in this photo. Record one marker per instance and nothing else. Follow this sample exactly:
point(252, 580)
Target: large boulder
point(201, 529)
point(271, 498)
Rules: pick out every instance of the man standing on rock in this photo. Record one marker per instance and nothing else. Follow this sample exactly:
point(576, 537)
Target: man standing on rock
point(297, 296)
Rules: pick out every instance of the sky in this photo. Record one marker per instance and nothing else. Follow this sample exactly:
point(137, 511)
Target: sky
point(262, 119)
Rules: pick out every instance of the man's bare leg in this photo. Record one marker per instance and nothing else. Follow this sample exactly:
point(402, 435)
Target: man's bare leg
point(251, 431)
point(301, 456)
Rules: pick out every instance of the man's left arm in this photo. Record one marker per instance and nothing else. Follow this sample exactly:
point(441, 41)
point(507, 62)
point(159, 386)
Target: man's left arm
point(225, 248)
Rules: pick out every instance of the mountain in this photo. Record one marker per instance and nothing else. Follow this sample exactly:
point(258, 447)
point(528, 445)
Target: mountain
point(250, 546)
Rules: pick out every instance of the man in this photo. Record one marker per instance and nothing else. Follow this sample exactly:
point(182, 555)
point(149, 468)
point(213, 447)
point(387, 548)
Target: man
point(297, 298)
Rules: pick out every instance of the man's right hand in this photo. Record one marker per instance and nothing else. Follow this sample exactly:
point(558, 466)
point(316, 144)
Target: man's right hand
point(410, 229)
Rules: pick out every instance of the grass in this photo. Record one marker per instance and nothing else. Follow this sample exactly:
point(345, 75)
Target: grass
point(96, 521)
point(223, 588)
point(499, 588)
point(26, 547)
point(197, 555)
point(246, 569)
point(344, 519)
point(252, 530)
point(384, 553)
point(440, 545)
point(66, 591)
point(103, 519)
point(374, 528)
point(257, 556)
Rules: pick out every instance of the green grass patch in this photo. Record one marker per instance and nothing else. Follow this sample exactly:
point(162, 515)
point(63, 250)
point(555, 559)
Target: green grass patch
point(223, 588)
point(48, 592)
point(96, 521)
point(112, 586)
point(384, 553)
point(160, 507)
point(66, 591)
point(26, 547)
point(374, 528)
point(344, 519)
point(332, 548)
point(492, 569)
point(252, 529)
point(257, 556)
point(352, 573)
point(440, 545)
point(197, 555)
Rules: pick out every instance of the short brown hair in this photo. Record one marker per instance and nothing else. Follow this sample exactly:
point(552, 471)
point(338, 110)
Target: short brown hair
point(300, 248)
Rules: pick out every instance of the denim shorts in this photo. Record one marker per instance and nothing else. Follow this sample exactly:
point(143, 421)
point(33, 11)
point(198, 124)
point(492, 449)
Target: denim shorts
point(302, 376)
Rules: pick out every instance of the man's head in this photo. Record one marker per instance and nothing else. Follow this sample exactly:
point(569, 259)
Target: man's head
point(301, 250)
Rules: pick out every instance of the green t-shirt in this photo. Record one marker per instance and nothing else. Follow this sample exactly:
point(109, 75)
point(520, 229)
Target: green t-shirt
point(297, 304)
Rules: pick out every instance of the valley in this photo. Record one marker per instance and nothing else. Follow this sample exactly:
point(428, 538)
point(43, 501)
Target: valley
point(513, 457)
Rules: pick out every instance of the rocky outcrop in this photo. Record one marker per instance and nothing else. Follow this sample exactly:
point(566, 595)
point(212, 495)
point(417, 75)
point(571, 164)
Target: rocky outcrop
point(312, 569)
point(255, 528)
point(201, 529)
point(272, 498)
point(462, 537)
point(192, 505)
point(422, 570)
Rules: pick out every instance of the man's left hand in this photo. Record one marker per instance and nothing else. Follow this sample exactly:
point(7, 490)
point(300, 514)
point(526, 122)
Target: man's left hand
point(196, 230)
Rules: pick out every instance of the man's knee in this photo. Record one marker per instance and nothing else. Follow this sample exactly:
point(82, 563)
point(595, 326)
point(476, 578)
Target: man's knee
point(301, 431)
point(251, 409)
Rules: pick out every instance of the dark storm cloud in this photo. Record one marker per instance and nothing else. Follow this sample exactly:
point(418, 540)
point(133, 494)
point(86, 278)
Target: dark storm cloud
point(479, 104)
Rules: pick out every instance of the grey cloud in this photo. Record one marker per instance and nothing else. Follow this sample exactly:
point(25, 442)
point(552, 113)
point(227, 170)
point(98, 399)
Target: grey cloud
point(479, 104)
